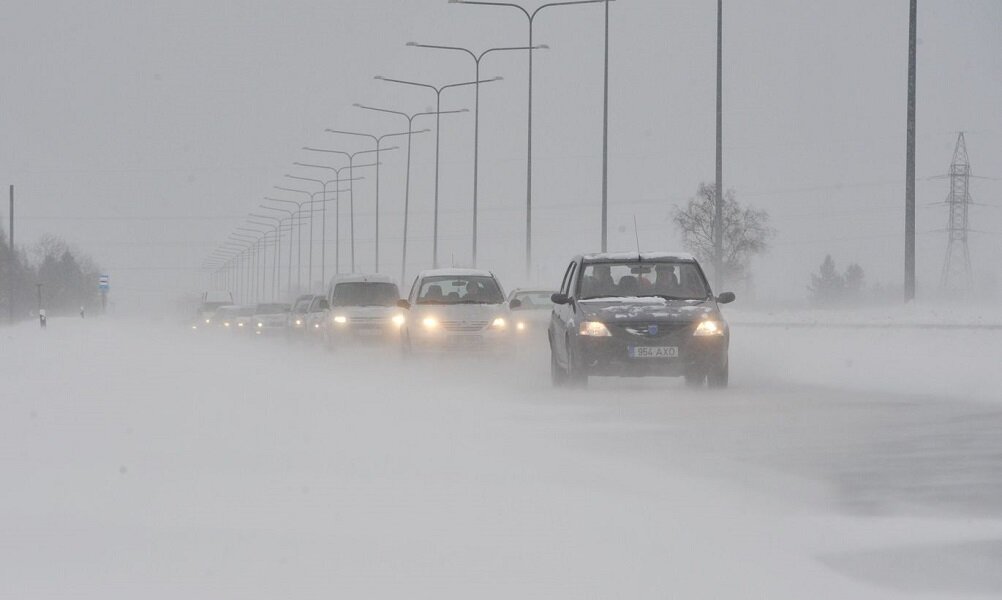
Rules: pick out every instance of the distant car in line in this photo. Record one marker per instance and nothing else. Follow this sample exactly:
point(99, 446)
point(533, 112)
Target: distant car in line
point(228, 318)
point(533, 313)
point(270, 319)
point(316, 312)
point(457, 310)
point(296, 324)
point(363, 308)
point(635, 315)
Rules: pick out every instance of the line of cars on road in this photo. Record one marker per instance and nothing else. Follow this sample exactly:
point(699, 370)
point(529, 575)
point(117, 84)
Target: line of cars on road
point(615, 314)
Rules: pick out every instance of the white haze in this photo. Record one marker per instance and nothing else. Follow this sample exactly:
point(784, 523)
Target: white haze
point(144, 461)
point(855, 455)
point(144, 132)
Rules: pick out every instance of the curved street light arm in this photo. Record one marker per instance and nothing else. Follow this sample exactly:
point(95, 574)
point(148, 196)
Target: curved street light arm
point(413, 83)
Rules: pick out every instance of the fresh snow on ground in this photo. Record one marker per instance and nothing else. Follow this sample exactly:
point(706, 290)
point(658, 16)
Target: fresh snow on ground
point(142, 460)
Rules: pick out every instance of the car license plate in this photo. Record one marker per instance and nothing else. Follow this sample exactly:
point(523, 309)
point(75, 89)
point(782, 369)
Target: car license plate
point(653, 351)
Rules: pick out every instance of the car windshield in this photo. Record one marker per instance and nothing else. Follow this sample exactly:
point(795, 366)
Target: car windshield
point(534, 300)
point(670, 280)
point(245, 311)
point(470, 289)
point(271, 309)
point(362, 293)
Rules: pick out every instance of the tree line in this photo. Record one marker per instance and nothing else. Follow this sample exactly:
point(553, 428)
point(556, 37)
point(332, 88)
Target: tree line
point(68, 279)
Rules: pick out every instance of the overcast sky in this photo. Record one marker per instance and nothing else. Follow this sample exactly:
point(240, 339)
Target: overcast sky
point(144, 132)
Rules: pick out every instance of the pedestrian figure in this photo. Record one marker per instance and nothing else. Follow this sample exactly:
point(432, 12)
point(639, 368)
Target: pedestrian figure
point(42, 321)
point(81, 312)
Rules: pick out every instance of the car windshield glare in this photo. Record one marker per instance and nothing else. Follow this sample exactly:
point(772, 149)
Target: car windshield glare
point(468, 289)
point(632, 279)
point(363, 293)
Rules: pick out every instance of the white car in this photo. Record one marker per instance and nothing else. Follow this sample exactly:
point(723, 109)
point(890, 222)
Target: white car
point(532, 316)
point(363, 308)
point(457, 309)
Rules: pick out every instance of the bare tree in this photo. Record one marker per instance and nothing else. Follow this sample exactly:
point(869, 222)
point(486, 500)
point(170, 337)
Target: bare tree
point(746, 231)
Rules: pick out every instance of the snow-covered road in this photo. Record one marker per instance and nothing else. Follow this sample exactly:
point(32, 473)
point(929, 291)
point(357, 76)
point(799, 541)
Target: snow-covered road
point(140, 461)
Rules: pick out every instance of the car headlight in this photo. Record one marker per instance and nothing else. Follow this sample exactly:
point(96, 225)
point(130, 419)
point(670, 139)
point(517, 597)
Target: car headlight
point(520, 326)
point(709, 328)
point(240, 324)
point(316, 325)
point(194, 326)
point(299, 321)
point(430, 322)
point(594, 329)
point(499, 323)
point(208, 321)
point(260, 325)
point(227, 324)
point(340, 319)
point(399, 320)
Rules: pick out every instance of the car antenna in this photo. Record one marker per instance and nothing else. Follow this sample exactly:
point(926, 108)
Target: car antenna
point(636, 234)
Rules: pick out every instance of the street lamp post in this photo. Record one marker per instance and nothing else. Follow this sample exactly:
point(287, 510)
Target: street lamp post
point(407, 187)
point(351, 189)
point(311, 196)
point(249, 272)
point(531, 17)
point(277, 230)
point(718, 204)
point(378, 141)
point(297, 216)
point(323, 228)
point(476, 118)
point(438, 135)
point(337, 201)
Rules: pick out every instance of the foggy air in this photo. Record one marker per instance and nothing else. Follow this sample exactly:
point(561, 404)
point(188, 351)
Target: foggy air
point(523, 299)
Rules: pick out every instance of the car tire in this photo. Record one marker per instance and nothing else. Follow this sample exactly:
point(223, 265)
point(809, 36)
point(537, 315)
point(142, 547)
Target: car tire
point(576, 375)
point(557, 373)
point(695, 379)
point(718, 377)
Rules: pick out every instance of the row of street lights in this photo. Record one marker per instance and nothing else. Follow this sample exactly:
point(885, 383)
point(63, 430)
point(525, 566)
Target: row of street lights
point(238, 263)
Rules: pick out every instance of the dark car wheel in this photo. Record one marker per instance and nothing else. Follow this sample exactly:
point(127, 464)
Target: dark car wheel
point(557, 373)
point(718, 376)
point(576, 374)
point(695, 379)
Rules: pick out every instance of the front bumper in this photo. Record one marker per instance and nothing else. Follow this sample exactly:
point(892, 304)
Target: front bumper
point(610, 356)
point(482, 342)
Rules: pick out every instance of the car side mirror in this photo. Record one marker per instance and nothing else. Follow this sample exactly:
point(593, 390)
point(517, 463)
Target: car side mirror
point(726, 298)
point(403, 304)
point(515, 304)
point(559, 299)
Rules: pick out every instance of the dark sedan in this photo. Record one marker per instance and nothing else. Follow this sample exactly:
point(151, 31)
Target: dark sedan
point(637, 315)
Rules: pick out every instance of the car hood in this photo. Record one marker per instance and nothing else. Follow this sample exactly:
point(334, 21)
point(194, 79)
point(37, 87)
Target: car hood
point(645, 309)
point(363, 312)
point(461, 312)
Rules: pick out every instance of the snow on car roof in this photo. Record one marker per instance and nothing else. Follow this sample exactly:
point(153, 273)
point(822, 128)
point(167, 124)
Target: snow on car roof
point(455, 273)
point(651, 256)
point(361, 278)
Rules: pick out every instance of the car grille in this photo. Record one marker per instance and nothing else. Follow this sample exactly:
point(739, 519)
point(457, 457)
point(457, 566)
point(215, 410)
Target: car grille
point(464, 326)
point(652, 330)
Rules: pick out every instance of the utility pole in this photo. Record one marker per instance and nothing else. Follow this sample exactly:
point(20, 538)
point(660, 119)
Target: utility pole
point(718, 214)
point(10, 268)
point(605, 140)
point(910, 160)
